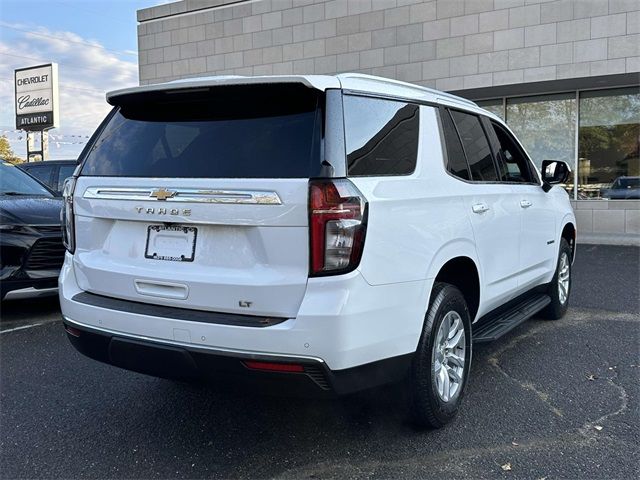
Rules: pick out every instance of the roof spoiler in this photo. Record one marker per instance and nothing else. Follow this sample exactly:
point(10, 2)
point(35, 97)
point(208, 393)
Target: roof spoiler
point(193, 84)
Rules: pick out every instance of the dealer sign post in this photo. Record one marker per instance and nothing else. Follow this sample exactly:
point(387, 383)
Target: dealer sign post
point(37, 103)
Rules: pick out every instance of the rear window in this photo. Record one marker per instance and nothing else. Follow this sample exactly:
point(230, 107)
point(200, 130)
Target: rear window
point(265, 131)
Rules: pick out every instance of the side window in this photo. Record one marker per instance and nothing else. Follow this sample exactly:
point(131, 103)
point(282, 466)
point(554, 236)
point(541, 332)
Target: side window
point(476, 146)
point(456, 161)
point(514, 166)
point(65, 172)
point(381, 136)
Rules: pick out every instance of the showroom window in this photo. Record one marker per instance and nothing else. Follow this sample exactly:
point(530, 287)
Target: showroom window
point(545, 125)
point(608, 144)
point(597, 132)
point(494, 106)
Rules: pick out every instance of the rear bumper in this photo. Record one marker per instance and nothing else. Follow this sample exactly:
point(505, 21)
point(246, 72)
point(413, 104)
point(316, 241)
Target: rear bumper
point(229, 369)
point(343, 323)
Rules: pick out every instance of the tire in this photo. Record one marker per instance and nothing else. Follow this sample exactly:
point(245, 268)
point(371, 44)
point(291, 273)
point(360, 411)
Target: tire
point(559, 302)
point(428, 406)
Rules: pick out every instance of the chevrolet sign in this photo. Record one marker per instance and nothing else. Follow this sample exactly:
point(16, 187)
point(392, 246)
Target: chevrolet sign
point(36, 97)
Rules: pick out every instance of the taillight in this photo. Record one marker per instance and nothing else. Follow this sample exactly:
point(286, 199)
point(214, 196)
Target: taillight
point(68, 225)
point(337, 226)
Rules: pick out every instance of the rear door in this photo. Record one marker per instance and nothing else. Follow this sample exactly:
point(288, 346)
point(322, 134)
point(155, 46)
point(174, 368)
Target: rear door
point(198, 199)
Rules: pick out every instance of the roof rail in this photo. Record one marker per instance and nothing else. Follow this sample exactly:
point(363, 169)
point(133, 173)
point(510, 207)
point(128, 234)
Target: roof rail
point(417, 88)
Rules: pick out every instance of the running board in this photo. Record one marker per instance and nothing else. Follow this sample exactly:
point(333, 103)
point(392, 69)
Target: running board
point(494, 327)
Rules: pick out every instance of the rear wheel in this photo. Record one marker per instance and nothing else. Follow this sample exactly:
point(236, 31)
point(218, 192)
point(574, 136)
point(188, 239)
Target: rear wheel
point(441, 364)
point(560, 287)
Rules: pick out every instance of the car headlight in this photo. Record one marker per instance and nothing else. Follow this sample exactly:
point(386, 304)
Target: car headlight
point(68, 223)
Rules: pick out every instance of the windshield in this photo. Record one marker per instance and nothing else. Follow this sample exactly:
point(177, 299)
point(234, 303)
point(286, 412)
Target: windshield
point(264, 131)
point(14, 181)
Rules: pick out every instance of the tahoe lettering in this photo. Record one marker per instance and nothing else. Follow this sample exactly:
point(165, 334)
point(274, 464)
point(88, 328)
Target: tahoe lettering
point(165, 211)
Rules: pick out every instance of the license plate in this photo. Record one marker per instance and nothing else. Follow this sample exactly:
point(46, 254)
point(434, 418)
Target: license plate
point(174, 243)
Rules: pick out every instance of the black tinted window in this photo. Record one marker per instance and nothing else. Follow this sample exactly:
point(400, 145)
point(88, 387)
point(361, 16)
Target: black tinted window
point(512, 164)
point(65, 172)
point(456, 161)
point(476, 146)
point(381, 136)
point(266, 131)
point(41, 172)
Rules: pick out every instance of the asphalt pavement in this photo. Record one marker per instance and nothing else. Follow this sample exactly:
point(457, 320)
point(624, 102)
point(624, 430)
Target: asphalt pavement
point(549, 400)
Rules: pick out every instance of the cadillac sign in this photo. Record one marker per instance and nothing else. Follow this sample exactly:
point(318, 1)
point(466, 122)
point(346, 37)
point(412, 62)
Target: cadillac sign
point(37, 97)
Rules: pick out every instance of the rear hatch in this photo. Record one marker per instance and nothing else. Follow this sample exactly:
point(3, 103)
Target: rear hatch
point(198, 198)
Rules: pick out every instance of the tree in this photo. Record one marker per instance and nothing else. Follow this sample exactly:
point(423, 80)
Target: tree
point(6, 153)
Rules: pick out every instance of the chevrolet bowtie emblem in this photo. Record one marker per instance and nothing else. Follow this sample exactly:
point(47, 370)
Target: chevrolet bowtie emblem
point(162, 194)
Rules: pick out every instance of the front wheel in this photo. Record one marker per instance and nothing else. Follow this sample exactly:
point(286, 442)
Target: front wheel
point(560, 287)
point(443, 358)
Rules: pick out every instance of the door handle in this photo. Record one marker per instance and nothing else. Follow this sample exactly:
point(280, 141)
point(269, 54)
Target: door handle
point(479, 208)
point(525, 203)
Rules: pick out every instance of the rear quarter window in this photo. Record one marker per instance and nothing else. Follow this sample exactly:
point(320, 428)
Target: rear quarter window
point(381, 136)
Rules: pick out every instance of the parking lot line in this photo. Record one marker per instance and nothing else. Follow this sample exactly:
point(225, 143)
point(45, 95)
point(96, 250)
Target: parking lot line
point(22, 327)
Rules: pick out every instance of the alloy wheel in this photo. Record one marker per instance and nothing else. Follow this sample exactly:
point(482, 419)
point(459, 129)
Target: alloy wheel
point(448, 356)
point(564, 272)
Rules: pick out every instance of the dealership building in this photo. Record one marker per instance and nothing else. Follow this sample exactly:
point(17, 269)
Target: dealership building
point(564, 74)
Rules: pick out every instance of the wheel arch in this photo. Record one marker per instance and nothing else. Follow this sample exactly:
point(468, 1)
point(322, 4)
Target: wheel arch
point(568, 232)
point(456, 263)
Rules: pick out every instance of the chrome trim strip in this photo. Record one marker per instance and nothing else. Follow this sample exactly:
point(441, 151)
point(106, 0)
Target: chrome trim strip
point(221, 351)
point(242, 197)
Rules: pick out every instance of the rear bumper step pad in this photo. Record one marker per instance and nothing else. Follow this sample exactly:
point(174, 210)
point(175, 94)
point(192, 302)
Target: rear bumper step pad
point(175, 313)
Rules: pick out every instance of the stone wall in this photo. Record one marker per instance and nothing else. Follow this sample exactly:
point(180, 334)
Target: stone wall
point(446, 44)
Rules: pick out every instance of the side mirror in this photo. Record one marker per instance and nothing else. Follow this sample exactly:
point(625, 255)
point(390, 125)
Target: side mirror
point(555, 172)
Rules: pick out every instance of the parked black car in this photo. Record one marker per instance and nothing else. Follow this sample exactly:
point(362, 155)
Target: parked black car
point(31, 250)
point(52, 173)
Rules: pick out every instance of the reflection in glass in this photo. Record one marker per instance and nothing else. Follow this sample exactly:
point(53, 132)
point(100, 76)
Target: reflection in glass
point(476, 146)
point(494, 106)
point(456, 160)
point(609, 141)
point(381, 136)
point(545, 125)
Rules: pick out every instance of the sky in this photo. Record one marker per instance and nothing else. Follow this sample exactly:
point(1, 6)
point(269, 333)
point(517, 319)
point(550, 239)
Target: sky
point(94, 43)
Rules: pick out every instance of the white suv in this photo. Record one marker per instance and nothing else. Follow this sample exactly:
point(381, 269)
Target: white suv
point(312, 233)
